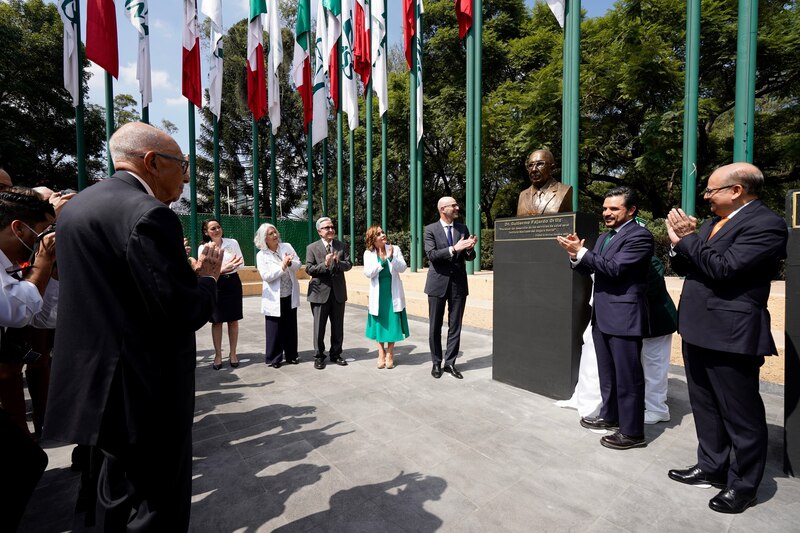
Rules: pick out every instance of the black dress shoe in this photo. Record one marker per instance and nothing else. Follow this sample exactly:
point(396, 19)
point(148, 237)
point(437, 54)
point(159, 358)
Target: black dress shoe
point(695, 476)
point(216, 366)
point(437, 370)
point(732, 502)
point(339, 361)
point(319, 363)
point(594, 422)
point(234, 364)
point(276, 364)
point(295, 361)
point(451, 369)
point(618, 441)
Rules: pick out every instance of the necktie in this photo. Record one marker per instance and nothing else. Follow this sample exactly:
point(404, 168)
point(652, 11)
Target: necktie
point(718, 226)
point(328, 248)
point(609, 236)
point(450, 235)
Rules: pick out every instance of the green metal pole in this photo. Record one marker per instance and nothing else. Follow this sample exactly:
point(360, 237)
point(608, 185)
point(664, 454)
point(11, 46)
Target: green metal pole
point(421, 145)
point(352, 197)
point(192, 179)
point(571, 99)
point(217, 208)
point(470, 152)
point(690, 99)
point(256, 196)
point(475, 208)
point(412, 155)
point(368, 113)
point(79, 136)
point(339, 155)
point(325, 177)
point(273, 179)
point(146, 114)
point(744, 113)
point(109, 119)
point(384, 151)
point(310, 149)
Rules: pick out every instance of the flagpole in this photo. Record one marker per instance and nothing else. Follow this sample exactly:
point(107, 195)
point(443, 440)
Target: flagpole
point(368, 113)
point(744, 110)
point(216, 166)
point(109, 120)
point(79, 109)
point(384, 148)
point(421, 143)
point(273, 179)
point(256, 196)
point(477, 114)
point(146, 114)
point(571, 97)
point(339, 142)
point(470, 153)
point(309, 142)
point(352, 197)
point(192, 179)
point(690, 102)
point(325, 177)
point(412, 149)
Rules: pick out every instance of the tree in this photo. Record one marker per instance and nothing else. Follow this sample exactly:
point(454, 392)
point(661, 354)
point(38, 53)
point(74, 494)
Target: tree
point(37, 120)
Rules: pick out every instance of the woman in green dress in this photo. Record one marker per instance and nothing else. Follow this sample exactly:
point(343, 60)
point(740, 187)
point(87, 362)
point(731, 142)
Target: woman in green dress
point(386, 322)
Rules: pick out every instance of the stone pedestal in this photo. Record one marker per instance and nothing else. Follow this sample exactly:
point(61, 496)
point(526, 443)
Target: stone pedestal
point(541, 306)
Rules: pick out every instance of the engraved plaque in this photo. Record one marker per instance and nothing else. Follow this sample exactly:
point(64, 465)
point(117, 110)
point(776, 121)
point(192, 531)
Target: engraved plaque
point(534, 228)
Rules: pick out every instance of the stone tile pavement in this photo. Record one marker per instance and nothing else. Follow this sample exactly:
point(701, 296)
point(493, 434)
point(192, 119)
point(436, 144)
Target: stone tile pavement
point(357, 449)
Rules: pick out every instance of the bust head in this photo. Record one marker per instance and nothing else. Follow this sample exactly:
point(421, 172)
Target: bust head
point(540, 167)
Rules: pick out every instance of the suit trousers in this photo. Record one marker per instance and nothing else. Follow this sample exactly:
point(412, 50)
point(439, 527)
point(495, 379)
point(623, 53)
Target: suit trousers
point(621, 380)
point(146, 487)
point(728, 415)
point(334, 311)
point(281, 333)
point(456, 300)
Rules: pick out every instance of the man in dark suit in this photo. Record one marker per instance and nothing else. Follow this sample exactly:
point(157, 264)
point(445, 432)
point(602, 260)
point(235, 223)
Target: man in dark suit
point(326, 262)
point(448, 246)
point(619, 261)
point(725, 326)
point(129, 306)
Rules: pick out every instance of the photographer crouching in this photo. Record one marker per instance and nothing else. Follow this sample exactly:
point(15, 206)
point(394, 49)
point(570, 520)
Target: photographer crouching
point(27, 258)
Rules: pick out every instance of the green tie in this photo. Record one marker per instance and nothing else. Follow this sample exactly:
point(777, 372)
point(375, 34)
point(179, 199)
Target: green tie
point(609, 236)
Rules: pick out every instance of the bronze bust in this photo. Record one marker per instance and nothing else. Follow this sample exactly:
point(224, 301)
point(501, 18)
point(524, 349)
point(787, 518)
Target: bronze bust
point(545, 195)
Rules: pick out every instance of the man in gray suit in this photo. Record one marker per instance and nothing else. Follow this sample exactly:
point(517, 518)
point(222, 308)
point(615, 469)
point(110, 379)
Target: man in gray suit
point(326, 263)
point(448, 246)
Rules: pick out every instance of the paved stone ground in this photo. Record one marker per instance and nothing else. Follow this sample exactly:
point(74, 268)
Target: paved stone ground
point(357, 449)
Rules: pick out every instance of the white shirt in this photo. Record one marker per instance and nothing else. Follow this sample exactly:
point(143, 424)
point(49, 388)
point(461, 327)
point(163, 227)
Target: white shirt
point(445, 225)
point(19, 300)
point(230, 249)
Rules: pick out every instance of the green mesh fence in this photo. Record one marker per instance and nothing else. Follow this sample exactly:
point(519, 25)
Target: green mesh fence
point(295, 232)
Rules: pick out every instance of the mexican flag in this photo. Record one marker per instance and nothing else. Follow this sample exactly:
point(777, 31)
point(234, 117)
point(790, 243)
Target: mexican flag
point(192, 88)
point(464, 17)
point(333, 19)
point(256, 83)
point(349, 96)
point(361, 47)
point(101, 35)
point(379, 80)
point(301, 64)
point(213, 10)
point(319, 126)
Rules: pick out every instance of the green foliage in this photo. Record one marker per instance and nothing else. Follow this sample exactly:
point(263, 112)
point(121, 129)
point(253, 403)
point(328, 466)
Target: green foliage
point(37, 120)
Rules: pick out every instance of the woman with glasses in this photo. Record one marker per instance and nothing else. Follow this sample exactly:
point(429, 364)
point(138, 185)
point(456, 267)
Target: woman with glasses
point(229, 292)
point(387, 321)
point(277, 263)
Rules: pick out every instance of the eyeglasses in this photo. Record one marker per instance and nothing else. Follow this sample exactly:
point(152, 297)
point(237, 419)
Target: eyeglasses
point(454, 206)
point(537, 164)
point(183, 161)
point(710, 192)
point(326, 228)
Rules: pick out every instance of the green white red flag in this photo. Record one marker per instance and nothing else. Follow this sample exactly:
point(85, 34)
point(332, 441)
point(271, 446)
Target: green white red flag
point(333, 19)
point(101, 35)
point(274, 60)
point(138, 15)
point(319, 126)
point(379, 66)
point(72, 74)
point(213, 10)
point(301, 63)
point(464, 17)
point(256, 82)
point(362, 51)
point(192, 88)
point(349, 96)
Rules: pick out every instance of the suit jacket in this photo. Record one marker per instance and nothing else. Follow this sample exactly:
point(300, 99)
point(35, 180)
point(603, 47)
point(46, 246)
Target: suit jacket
point(620, 280)
point(660, 307)
point(557, 199)
point(444, 268)
point(128, 309)
point(326, 279)
point(723, 304)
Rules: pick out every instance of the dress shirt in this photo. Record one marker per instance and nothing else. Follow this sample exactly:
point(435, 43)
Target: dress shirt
point(445, 225)
point(230, 249)
point(19, 300)
point(583, 249)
